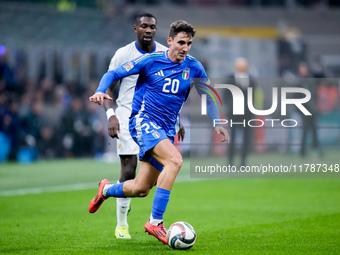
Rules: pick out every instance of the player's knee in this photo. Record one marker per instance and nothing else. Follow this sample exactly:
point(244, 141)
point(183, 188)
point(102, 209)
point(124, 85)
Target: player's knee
point(179, 162)
point(144, 194)
point(176, 162)
point(141, 191)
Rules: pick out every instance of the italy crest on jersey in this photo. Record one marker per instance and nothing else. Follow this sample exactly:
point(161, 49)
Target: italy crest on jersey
point(185, 73)
point(156, 134)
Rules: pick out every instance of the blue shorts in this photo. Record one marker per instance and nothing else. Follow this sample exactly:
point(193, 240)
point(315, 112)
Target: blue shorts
point(146, 133)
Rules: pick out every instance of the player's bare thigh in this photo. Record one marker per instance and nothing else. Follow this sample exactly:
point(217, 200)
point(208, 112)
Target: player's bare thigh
point(146, 178)
point(167, 154)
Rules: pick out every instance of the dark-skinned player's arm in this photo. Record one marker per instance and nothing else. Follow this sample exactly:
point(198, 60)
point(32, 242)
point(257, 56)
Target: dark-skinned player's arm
point(113, 123)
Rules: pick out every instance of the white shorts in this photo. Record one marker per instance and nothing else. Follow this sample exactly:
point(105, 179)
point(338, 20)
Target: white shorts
point(125, 144)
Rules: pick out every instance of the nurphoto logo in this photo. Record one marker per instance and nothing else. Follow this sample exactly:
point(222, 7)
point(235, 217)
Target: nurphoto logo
point(239, 104)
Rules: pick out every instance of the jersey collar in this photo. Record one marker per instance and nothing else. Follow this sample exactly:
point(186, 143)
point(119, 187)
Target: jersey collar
point(143, 52)
point(167, 57)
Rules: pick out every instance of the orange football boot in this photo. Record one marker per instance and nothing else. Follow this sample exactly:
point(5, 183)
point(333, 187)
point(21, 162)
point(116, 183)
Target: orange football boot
point(157, 231)
point(97, 201)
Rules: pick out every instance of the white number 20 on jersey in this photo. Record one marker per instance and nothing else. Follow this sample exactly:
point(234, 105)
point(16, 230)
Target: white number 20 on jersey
point(171, 86)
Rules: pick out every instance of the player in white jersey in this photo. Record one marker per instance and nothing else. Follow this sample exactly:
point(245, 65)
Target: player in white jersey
point(145, 28)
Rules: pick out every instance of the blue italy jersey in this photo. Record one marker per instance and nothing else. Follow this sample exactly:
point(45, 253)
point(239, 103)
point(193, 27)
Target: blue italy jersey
point(162, 86)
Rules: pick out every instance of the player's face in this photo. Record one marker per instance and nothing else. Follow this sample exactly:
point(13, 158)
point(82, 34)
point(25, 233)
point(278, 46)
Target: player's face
point(179, 46)
point(145, 29)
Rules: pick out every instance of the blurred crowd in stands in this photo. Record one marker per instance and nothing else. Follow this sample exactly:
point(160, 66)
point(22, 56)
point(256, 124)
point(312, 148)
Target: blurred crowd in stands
point(45, 119)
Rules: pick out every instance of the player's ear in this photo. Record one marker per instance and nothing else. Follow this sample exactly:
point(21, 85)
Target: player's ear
point(135, 28)
point(169, 41)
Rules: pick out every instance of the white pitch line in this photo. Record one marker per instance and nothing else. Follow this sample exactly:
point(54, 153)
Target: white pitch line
point(40, 190)
point(70, 187)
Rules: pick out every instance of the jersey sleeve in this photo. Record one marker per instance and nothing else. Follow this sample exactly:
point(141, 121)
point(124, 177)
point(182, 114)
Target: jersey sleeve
point(203, 87)
point(124, 70)
point(161, 47)
point(118, 59)
point(114, 63)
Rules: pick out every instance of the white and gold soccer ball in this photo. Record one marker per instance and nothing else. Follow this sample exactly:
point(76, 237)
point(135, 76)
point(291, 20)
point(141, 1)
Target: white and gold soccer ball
point(181, 236)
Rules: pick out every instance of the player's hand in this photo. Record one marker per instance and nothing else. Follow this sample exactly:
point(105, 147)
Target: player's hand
point(99, 97)
point(181, 133)
point(113, 127)
point(221, 130)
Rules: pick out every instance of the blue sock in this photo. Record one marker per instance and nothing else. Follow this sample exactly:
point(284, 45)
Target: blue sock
point(116, 190)
point(160, 202)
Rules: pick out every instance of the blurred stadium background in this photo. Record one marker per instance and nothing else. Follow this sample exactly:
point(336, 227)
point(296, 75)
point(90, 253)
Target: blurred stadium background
point(53, 53)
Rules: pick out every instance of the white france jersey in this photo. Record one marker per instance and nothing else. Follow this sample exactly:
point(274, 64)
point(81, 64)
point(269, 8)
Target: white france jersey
point(127, 84)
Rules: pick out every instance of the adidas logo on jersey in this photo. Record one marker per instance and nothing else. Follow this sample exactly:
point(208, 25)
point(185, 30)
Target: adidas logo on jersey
point(160, 73)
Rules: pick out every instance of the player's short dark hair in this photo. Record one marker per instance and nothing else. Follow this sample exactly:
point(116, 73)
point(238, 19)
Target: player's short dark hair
point(144, 14)
point(181, 26)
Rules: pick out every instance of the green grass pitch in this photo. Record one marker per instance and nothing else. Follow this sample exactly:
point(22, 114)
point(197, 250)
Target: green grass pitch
point(44, 210)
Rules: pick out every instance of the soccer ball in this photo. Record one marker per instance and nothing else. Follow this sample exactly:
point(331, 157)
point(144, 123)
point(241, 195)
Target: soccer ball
point(181, 236)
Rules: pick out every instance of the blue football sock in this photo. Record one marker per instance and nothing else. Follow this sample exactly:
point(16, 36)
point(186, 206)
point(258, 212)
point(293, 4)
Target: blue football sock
point(160, 202)
point(116, 190)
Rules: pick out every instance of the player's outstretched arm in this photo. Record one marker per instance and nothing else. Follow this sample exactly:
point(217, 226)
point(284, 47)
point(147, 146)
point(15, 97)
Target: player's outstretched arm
point(99, 98)
point(105, 82)
point(213, 111)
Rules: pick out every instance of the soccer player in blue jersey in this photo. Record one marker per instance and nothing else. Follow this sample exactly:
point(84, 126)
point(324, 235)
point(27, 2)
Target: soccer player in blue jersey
point(165, 79)
point(118, 120)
